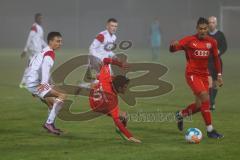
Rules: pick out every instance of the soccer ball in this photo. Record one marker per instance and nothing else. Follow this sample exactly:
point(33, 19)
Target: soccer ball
point(193, 135)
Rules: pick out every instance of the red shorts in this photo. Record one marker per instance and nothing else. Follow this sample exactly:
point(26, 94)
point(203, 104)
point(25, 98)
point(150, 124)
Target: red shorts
point(197, 83)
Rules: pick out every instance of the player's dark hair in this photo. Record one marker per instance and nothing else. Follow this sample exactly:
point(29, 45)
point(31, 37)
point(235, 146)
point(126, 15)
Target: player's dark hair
point(202, 20)
point(119, 81)
point(52, 35)
point(112, 20)
point(37, 15)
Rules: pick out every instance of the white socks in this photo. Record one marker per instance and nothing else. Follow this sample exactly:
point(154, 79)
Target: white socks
point(209, 128)
point(55, 109)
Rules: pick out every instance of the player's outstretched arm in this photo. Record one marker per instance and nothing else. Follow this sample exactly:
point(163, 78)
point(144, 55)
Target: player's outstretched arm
point(174, 46)
point(115, 61)
point(181, 44)
point(125, 131)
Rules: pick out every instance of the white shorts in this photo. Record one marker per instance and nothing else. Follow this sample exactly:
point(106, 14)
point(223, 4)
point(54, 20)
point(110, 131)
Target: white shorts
point(34, 90)
point(95, 64)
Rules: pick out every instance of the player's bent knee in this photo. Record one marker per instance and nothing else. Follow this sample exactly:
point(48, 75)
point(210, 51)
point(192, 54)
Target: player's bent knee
point(204, 96)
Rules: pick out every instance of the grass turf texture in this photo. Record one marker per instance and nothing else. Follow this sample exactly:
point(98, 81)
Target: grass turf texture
point(22, 137)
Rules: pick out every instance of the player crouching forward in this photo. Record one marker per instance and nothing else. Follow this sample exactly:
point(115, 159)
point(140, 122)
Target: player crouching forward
point(37, 81)
point(104, 96)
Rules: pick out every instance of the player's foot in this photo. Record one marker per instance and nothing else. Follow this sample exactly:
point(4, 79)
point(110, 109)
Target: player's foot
point(214, 134)
point(132, 139)
point(59, 130)
point(212, 107)
point(50, 128)
point(22, 85)
point(179, 119)
point(121, 135)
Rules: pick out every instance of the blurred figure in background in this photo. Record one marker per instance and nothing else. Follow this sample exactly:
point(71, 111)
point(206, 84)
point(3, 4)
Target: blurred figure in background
point(222, 47)
point(35, 43)
point(155, 38)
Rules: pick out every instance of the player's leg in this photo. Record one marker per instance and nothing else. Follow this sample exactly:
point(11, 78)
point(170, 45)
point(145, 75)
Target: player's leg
point(90, 77)
point(188, 111)
point(195, 84)
point(56, 104)
point(214, 91)
point(53, 99)
point(49, 101)
point(210, 90)
point(56, 107)
point(212, 87)
point(205, 106)
point(205, 110)
point(191, 108)
point(23, 81)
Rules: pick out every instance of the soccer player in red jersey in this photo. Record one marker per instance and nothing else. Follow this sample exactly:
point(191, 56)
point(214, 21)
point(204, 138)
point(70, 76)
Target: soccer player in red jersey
point(197, 49)
point(104, 96)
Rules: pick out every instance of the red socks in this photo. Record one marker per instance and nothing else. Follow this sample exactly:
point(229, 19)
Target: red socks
point(191, 109)
point(206, 113)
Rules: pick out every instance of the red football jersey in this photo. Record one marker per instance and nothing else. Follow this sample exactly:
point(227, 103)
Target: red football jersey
point(197, 53)
point(104, 99)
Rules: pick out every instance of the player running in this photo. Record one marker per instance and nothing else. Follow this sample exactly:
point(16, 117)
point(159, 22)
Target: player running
point(198, 48)
point(38, 76)
point(35, 43)
point(104, 96)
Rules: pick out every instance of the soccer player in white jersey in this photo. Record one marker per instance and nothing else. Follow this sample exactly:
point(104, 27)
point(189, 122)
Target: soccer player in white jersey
point(102, 46)
point(35, 42)
point(38, 76)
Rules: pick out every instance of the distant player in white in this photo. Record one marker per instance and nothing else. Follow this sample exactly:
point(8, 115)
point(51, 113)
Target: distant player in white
point(38, 77)
point(35, 42)
point(102, 46)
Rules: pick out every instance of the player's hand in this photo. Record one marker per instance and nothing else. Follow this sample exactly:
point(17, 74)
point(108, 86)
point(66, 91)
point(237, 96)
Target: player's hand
point(23, 55)
point(219, 81)
point(174, 43)
point(132, 139)
point(40, 87)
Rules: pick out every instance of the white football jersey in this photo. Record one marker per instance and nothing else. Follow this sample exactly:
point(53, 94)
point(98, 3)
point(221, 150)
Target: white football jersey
point(102, 45)
point(35, 42)
point(39, 68)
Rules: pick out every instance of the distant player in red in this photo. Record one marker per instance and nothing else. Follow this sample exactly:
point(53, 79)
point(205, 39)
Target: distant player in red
point(197, 48)
point(104, 96)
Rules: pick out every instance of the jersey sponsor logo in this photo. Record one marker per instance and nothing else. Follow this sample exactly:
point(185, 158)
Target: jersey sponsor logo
point(208, 45)
point(201, 53)
point(194, 44)
point(110, 46)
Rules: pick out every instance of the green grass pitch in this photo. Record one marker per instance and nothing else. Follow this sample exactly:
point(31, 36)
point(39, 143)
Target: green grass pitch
point(21, 117)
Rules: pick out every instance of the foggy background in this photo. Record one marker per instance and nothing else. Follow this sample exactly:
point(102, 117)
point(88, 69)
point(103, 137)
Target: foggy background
point(80, 20)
